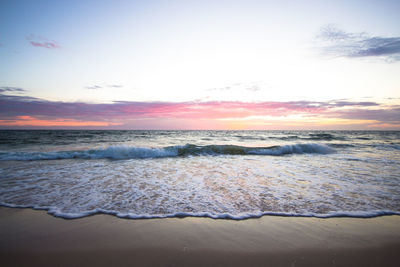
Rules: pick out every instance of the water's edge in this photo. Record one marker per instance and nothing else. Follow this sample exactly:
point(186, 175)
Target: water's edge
point(222, 216)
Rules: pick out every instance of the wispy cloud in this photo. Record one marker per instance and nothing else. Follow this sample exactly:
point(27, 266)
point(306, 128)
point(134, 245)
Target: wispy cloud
point(380, 115)
point(337, 42)
point(343, 103)
point(39, 41)
point(115, 85)
point(94, 87)
point(11, 89)
point(252, 86)
point(225, 88)
point(49, 45)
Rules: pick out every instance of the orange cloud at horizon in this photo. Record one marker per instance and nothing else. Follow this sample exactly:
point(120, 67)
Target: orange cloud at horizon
point(58, 122)
point(22, 112)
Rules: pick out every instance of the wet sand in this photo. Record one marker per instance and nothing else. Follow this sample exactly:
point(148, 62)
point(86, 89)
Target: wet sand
point(33, 238)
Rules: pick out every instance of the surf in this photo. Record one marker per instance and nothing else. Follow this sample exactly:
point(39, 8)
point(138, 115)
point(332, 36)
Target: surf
point(132, 152)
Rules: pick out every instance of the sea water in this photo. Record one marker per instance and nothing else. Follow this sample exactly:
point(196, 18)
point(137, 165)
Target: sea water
point(217, 174)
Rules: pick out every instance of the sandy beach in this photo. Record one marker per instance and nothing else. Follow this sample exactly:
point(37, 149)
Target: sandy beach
point(34, 238)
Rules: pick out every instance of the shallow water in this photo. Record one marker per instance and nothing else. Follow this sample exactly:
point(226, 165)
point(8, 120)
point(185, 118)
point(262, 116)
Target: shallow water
point(219, 174)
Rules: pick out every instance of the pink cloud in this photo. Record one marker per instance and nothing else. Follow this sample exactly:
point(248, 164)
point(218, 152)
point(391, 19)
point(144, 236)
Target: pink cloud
point(190, 115)
point(215, 109)
point(49, 45)
point(39, 41)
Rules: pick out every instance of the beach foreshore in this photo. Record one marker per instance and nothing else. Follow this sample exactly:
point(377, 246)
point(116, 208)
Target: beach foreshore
point(34, 238)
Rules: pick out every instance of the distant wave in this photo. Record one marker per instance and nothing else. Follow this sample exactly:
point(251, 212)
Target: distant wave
point(388, 146)
point(129, 152)
point(311, 136)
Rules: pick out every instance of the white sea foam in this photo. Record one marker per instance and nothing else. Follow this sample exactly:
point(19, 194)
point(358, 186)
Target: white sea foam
point(243, 216)
point(226, 186)
point(212, 176)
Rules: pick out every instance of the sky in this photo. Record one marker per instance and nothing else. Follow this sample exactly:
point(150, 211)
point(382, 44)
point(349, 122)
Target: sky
point(263, 65)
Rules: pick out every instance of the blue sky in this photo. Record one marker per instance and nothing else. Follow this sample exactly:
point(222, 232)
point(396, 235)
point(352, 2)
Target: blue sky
point(102, 52)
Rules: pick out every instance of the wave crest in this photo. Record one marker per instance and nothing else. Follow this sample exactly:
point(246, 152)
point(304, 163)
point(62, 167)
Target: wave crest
point(129, 152)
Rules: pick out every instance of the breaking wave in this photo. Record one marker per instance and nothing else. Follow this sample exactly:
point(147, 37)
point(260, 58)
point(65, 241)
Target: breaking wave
point(129, 152)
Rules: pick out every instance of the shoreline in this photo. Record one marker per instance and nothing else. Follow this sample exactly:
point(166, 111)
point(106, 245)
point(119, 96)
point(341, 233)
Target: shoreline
point(34, 238)
point(222, 216)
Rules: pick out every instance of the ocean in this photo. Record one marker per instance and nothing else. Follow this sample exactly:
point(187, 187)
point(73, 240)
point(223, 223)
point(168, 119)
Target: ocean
point(217, 174)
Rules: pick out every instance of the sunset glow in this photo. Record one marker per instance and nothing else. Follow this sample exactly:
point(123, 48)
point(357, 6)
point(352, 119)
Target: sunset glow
point(31, 121)
point(189, 65)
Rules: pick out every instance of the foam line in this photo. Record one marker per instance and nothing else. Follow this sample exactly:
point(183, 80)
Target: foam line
point(351, 214)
